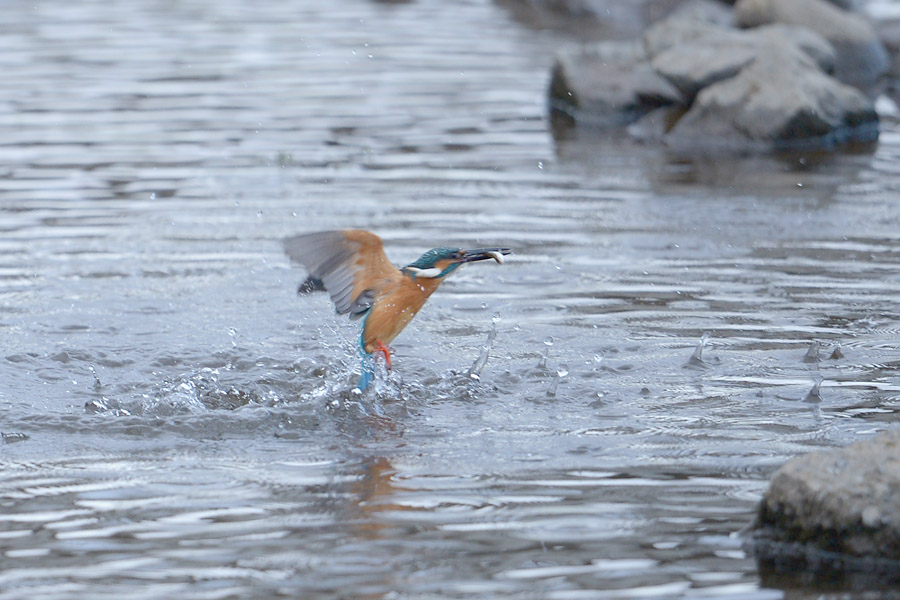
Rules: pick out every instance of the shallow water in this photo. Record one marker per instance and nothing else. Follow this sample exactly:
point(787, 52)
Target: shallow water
point(177, 421)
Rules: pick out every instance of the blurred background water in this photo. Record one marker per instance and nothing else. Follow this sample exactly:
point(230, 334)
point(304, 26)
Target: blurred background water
point(176, 421)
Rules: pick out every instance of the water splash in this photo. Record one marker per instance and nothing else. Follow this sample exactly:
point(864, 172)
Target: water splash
point(696, 358)
point(179, 397)
point(812, 353)
point(477, 367)
point(98, 385)
point(548, 343)
point(561, 372)
point(106, 406)
point(201, 391)
point(814, 392)
point(388, 383)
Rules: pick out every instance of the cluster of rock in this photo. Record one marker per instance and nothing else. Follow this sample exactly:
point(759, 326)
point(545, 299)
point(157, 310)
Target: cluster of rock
point(765, 74)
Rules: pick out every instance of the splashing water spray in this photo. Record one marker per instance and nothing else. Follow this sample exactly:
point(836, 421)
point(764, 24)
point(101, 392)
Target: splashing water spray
point(477, 367)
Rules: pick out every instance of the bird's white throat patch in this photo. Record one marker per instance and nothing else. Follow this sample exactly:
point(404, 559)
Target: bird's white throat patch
point(426, 273)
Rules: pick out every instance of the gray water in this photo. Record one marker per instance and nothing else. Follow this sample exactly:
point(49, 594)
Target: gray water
point(177, 422)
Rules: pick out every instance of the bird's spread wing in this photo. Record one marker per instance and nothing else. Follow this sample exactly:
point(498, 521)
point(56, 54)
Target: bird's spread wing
point(350, 263)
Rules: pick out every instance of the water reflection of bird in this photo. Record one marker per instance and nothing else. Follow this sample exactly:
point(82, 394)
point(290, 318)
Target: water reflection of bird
point(352, 266)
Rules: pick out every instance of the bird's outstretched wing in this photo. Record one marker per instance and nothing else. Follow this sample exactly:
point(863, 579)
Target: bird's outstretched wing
point(350, 263)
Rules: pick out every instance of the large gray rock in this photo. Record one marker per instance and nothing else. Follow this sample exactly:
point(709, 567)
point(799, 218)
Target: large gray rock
point(613, 82)
point(780, 99)
point(697, 85)
point(861, 57)
point(694, 55)
point(844, 504)
point(609, 83)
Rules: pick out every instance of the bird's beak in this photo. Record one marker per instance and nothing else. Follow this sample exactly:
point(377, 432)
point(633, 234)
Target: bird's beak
point(496, 254)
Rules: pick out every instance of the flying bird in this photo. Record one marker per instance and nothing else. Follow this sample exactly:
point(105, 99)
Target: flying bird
point(352, 266)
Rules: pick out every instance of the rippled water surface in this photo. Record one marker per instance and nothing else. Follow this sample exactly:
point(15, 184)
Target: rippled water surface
point(178, 422)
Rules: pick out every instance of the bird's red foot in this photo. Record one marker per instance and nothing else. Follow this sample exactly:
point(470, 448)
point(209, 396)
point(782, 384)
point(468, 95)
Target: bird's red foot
point(380, 347)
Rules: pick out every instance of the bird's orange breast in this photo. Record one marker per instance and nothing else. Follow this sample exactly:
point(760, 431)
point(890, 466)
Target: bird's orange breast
point(394, 308)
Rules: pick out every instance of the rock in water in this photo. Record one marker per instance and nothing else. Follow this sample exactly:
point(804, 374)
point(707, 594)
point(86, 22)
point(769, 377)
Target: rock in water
point(781, 99)
point(694, 54)
point(840, 508)
point(696, 85)
point(608, 83)
point(861, 57)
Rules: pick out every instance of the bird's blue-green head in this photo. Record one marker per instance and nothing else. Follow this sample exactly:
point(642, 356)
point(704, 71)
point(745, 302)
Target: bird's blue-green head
point(437, 263)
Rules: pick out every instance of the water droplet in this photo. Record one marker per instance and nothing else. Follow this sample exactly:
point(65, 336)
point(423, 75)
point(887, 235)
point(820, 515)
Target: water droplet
point(97, 383)
point(540, 164)
point(562, 370)
point(259, 213)
point(598, 358)
point(799, 185)
point(815, 394)
point(153, 195)
point(483, 305)
point(548, 341)
point(495, 318)
point(812, 353)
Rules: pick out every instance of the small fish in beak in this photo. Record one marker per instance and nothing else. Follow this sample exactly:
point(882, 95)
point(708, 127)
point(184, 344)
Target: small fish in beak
point(495, 254)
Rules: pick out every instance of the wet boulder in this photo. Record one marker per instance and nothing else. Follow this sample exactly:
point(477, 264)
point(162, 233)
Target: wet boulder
point(779, 99)
point(698, 85)
point(694, 55)
point(861, 57)
point(839, 508)
point(609, 83)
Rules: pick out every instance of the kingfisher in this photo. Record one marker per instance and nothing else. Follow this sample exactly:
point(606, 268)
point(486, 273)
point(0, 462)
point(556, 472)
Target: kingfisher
point(350, 264)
